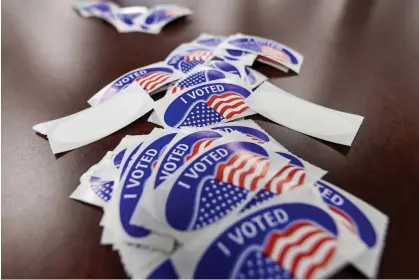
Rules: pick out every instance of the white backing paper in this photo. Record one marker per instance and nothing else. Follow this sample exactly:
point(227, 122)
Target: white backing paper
point(97, 122)
point(303, 116)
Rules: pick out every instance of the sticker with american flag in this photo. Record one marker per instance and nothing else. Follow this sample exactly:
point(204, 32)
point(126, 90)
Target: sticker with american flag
point(289, 238)
point(187, 57)
point(303, 248)
point(360, 218)
point(210, 41)
point(295, 174)
point(272, 50)
point(244, 169)
point(151, 78)
point(205, 105)
point(232, 170)
point(181, 151)
point(195, 78)
point(287, 178)
point(229, 67)
point(156, 18)
point(348, 213)
point(102, 189)
point(131, 186)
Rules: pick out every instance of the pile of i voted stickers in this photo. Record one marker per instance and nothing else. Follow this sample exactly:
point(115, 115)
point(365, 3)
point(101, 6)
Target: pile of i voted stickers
point(212, 195)
point(132, 19)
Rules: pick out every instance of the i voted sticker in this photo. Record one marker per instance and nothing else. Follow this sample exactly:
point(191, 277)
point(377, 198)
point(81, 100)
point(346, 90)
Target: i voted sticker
point(184, 148)
point(208, 188)
point(182, 151)
point(102, 9)
point(369, 224)
point(130, 193)
point(266, 48)
point(186, 57)
point(295, 237)
point(160, 15)
point(295, 174)
point(150, 78)
point(196, 77)
point(97, 184)
point(204, 105)
point(234, 55)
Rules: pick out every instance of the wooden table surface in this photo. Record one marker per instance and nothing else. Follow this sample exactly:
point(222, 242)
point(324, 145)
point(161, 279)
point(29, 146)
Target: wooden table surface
point(361, 56)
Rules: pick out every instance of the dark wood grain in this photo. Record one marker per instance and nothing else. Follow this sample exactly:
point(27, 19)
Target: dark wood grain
point(361, 56)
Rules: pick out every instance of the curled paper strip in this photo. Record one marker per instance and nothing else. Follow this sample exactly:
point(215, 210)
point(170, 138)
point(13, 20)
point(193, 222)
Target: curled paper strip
point(97, 122)
point(304, 116)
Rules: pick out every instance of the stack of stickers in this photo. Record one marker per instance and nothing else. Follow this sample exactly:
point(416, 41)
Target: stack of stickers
point(212, 195)
point(132, 19)
point(227, 201)
point(207, 81)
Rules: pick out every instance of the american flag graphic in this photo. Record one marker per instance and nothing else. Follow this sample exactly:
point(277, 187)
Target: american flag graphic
point(186, 66)
point(198, 56)
point(343, 218)
point(243, 169)
point(252, 264)
point(260, 197)
point(303, 248)
point(102, 189)
point(228, 104)
point(153, 80)
point(274, 54)
point(216, 200)
point(201, 115)
point(198, 147)
point(190, 81)
point(287, 178)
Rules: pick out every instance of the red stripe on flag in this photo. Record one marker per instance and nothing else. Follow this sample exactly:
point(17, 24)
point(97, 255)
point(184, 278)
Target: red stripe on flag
point(228, 104)
point(303, 248)
point(198, 147)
